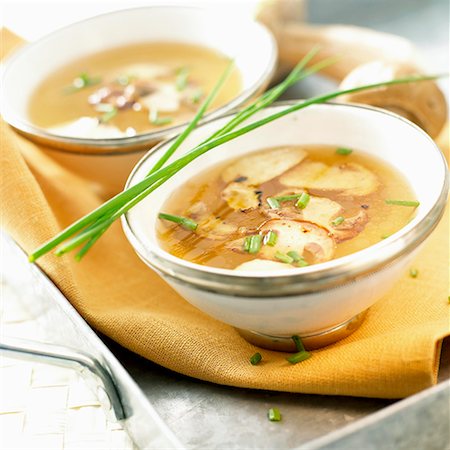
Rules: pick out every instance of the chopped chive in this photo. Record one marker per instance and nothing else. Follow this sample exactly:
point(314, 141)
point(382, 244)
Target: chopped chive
point(449, 299)
point(124, 80)
point(298, 343)
point(299, 357)
point(303, 201)
point(274, 415)
point(344, 151)
point(182, 78)
point(109, 115)
point(254, 244)
point(337, 221)
point(294, 255)
point(385, 236)
point(413, 273)
point(284, 258)
point(156, 120)
point(301, 262)
point(288, 198)
point(413, 203)
point(246, 245)
point(273, 202)
point(82, 81)
point(197, 96)
point(255, 359)
point(270, 238)
point(104, 107)
point(185, 222)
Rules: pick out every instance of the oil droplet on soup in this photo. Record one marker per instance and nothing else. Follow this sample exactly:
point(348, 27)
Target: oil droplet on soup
point(131, 89)
point(285, 207)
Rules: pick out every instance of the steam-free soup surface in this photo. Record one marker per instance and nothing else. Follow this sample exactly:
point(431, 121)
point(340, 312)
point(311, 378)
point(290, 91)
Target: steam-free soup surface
point(131, 89)
point(285, 207)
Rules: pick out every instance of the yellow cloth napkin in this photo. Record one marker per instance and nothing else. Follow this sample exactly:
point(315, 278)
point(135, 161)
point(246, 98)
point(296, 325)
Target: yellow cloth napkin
point(393, 354)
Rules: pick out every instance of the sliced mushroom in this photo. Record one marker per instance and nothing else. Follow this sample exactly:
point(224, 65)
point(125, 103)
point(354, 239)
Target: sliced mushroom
point(299, 236)
point(215, 228)
point(262, 265)
point(259, 168)
point(240, 196)
point(145, 71)
point(423, 103)
point(323, 211)
point(346, 179)
point(165, 99)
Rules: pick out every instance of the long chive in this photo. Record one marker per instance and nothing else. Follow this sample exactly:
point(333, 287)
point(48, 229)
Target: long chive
point(344, 151)
point(270, 238)
point(336, 222)
point(185, 222)
point(125, 200)
point(274, 415)
point(201, 111)
point(298, 357)
point(412, 203)
point(255, 359)
point(284, 258)
point(303, 201)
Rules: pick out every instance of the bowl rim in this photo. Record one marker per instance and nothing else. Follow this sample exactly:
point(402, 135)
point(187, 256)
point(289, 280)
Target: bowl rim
point(119, 145)
point(305, 280)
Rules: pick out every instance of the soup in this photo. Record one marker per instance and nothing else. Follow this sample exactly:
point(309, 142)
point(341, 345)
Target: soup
point(285, 207)
point(130, 90)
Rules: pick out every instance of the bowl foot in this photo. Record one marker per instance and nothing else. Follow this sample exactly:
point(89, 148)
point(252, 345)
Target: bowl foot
point(311, 341)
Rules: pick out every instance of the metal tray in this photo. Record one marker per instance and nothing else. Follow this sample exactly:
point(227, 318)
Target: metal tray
point(163, 409)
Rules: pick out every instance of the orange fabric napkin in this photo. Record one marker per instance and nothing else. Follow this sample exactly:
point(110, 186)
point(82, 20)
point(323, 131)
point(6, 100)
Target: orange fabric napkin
point(394, 353)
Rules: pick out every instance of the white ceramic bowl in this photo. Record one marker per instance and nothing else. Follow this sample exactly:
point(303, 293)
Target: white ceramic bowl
point(92, 158)
point(321, 299)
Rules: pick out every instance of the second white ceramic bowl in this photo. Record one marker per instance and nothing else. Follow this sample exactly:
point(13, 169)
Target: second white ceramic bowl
point(317, 300)
point(107, 162)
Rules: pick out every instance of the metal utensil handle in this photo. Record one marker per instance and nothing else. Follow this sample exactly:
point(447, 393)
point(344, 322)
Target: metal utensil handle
point(66, 357)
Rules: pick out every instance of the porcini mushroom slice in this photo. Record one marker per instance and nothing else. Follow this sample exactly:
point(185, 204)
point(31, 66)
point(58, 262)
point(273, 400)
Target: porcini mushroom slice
point(240, 196)
point(259, 168)
point(166, 98)
point(260, 265)
point(323, 211)
point(346, 179)
point(300, 237)
point(422, 103)
point(215, 228)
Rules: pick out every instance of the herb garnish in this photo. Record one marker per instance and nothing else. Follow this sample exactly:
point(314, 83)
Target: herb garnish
point(413, 273)
point(104, 118)
point(156, 120)
point(88, 229)
point(303, 201)
point(284, 258)
point(344, 151)
point(274, 415)
point(336, 222)
point(83, 80)
point(252, 244)
point(301, 354)
point(182, 78)
point(255, 359)
point(185, 222)
point(412, 203)
point(270, 238)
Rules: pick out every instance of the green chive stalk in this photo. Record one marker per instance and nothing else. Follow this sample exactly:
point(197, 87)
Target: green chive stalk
point(124, 201)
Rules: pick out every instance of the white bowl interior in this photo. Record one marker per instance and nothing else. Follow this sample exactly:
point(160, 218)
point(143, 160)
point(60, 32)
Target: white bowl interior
point(384, 135)
point(237, 40)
